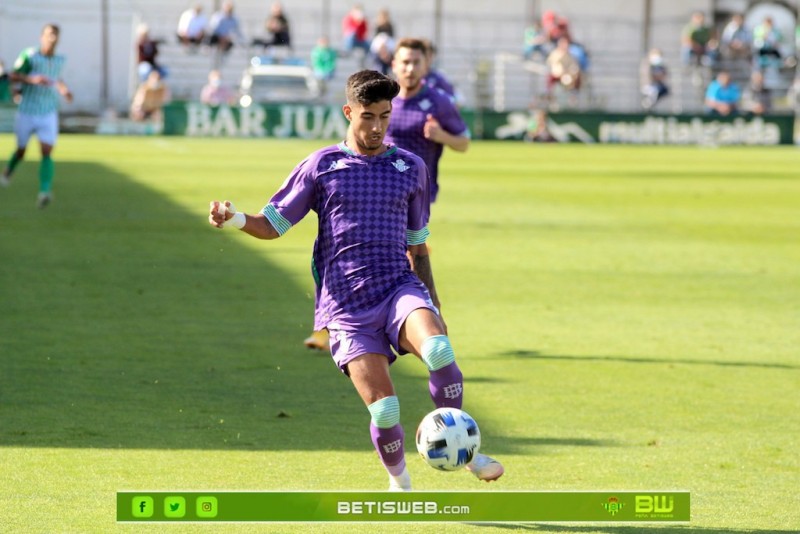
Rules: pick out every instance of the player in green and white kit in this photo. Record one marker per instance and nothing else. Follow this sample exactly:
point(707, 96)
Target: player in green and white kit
point(39, 71)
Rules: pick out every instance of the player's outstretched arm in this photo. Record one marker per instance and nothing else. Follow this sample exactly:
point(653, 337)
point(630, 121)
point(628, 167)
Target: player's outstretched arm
point(224, 215)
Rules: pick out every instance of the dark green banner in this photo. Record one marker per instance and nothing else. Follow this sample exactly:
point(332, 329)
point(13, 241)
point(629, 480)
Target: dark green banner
point(327, 122)
point(638, 128)
point(194, 119)
point(511, 506)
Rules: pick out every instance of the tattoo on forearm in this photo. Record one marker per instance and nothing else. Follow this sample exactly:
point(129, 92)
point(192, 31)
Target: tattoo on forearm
point(422, 268)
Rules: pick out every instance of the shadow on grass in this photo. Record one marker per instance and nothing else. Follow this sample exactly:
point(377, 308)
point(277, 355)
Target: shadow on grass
point(539, 356)
point(633, 529)
point(534, 446)
point(128, 322)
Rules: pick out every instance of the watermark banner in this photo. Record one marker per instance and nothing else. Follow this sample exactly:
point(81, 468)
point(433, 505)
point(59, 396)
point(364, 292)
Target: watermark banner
point(416, 506)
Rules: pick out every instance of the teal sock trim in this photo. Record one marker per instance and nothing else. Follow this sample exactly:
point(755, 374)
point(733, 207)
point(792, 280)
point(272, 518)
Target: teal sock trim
point(46, 172)
point(385, 412)
point(437, 352)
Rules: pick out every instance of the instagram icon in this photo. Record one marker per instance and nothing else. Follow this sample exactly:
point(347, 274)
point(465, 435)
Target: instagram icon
point(206, 507)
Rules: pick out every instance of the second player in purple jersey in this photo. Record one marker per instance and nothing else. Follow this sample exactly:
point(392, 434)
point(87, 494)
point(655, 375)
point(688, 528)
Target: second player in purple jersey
point(424, 120)
point(408, 124)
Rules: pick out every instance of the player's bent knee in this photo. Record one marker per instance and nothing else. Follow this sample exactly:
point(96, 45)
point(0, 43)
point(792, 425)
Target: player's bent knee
point(437, 352)
point(385, 412)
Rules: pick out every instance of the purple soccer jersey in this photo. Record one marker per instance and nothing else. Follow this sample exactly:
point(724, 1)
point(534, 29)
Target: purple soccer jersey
point(408, 121)
point(435, 80)
point(369, 208)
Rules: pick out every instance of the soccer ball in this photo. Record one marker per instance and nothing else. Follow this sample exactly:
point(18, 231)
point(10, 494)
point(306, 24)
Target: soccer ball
point(448, 438)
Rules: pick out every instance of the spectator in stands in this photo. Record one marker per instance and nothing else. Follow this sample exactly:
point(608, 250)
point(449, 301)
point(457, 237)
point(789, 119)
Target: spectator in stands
point(555, 27)
point(216, 92)
point(147, 50)
point(697, 45)
point(535, 42)
point(766, 44)
point(277, 25)
point(735, 41)
point(538, 131)
point(564, 68)
point(5, 85)
point(149, 99)
point(354, 30)
point(323, 60)
point(224, 28)
point(722, 96)
point(383, 23)
point(192, 27)
point(381, 50)
point(654, 79)
point(757, 99)
point(578, 51)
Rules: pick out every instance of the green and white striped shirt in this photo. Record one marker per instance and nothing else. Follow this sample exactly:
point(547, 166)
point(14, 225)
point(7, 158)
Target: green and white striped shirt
point(39, 99)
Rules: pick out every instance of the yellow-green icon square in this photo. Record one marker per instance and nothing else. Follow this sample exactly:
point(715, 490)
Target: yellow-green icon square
point(174, 507)
point(142, 506)
point(207, 507)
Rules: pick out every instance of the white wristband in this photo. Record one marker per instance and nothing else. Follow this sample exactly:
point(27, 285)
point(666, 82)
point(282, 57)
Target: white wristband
point(237, 221)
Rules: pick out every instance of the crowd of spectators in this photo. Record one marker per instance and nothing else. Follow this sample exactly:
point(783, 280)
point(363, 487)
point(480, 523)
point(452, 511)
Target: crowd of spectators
point(749, 53)
point(548, 41)
point(734, 61)
point(222, 31)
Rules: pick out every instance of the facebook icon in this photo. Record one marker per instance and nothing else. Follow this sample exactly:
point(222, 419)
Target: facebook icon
point(142, 506)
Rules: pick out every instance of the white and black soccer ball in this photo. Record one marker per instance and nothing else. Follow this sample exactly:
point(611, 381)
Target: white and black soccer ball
point(448, 439)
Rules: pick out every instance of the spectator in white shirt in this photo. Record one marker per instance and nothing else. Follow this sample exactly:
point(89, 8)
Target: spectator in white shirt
point(192, 26)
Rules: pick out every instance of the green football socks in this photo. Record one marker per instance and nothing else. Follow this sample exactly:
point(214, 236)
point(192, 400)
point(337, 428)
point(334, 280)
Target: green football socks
point(12, 163)
point(46, 171)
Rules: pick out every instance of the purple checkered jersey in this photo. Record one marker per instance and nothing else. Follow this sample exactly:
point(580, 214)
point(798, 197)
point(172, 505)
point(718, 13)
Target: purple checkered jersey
point(407, 124)
point(435, 80)
point(369, 209)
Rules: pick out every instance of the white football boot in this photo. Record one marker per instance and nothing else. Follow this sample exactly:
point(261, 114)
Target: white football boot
point(401, 482)
point(485, 468)
point(43, 200)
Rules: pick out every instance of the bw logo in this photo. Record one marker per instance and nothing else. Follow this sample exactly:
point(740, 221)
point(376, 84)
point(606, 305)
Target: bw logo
point(659, 504)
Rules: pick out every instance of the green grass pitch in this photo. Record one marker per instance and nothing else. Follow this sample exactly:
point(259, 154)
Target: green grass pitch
point(626, 318)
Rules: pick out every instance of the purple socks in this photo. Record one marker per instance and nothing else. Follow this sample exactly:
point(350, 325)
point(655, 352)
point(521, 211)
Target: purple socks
point(389, 444)
point(447, 386)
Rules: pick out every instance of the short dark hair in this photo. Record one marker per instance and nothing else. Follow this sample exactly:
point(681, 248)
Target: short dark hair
point(54, 27)
point(366, 87)
point(412, 43)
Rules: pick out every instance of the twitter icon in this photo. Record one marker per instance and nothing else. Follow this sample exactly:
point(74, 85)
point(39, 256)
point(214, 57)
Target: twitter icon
point(174, 507)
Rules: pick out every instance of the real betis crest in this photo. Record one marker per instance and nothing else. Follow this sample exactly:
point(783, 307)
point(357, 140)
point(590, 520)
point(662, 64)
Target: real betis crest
point(400, 165)
point(613, 506)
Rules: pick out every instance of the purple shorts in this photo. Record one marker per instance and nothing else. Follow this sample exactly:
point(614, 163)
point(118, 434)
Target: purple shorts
point(377, 330)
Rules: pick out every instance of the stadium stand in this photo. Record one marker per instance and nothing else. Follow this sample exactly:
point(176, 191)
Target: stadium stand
point(480, 51)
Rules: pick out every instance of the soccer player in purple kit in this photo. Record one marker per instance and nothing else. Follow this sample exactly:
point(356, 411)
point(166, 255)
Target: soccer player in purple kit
point(424, 120)
point(373, 205)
